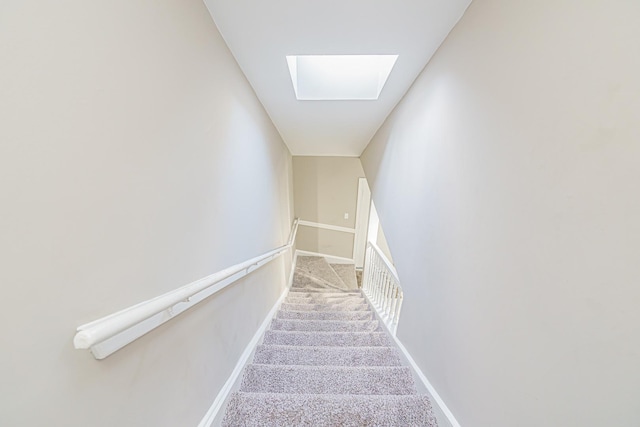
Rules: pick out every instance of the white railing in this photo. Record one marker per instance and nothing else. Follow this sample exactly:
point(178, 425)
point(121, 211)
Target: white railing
point(382, 287)
point(327, 226)
point(108, 334)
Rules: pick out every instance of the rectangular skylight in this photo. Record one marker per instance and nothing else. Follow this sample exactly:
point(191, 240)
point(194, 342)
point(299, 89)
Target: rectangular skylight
point(339, 77)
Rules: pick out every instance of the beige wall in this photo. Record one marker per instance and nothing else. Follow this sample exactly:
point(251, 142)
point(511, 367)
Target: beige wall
point(134, 158)
point(507, 181)
point(325, 188)
point(329, 242)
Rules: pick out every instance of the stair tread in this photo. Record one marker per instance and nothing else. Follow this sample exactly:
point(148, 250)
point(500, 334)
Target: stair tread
point(347, 272)
point(340, 339)
point(317, 268)
point(389, 380)
point(280, 410)
point(325, 355)
point(326, 361)
point(325, 315)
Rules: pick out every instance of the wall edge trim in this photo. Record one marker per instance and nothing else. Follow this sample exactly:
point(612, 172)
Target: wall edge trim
point(435, 397)
point(432, 391)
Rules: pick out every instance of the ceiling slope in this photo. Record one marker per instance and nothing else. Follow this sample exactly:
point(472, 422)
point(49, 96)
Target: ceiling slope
point(261, 34)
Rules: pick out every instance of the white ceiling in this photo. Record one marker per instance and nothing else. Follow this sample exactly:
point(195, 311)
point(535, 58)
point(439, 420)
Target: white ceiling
point(261, 33)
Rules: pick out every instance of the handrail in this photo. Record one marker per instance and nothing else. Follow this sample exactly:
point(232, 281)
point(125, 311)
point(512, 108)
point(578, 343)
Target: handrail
point(107, 327)
point(381, 286)
point(327, 226)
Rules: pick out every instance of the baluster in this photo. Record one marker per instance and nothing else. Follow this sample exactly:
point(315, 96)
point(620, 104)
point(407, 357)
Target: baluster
point(383, 291)
point(394, 301)
point(397, 315)
point(387, 289)
point(366, 269)
point(381, 283)
point(369, 273)
point(392, 286)
point(372, 276)
point(374, 281)
point(382, 288)
point(378, 281)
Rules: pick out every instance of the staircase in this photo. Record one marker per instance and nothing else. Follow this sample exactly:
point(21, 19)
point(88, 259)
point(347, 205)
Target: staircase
point(326, 361)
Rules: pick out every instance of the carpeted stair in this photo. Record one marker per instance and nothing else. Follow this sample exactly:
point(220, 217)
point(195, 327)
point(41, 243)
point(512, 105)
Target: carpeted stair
point(326, 361)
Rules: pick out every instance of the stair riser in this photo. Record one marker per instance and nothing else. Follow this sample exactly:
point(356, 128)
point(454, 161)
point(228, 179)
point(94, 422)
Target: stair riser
point(323, 307)
point(325, 315)
point(315, 282)
point(305, 294)
point(307, 284)
point(331, 339)
point(331, 302)
point(325, 325)
point(316, 290)
point(338, 302)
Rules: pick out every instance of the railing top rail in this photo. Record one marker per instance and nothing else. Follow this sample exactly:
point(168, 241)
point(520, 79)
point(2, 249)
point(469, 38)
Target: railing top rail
point(99, 330)
point(385, 260)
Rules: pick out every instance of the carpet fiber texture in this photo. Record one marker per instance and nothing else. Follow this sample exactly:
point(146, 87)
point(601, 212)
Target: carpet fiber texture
point(326, 361)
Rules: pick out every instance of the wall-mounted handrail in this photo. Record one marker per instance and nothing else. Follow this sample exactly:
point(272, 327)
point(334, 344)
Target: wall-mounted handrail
point(382, 287)
point(90, 334)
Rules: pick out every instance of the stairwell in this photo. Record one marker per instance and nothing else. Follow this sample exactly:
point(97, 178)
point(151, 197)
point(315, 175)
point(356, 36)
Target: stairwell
point(327, 361)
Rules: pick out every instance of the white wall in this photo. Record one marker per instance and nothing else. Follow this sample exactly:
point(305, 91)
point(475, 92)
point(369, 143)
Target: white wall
point(382, 243)
point(134, 158)
point(507, 181)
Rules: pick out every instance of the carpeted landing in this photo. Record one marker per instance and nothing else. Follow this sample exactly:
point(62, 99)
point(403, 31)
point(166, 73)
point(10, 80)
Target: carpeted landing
point(326, 361)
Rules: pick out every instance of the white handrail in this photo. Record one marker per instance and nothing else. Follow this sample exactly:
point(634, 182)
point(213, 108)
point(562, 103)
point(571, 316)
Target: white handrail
point(95, 332)
point(327, 226)
point(381, 286)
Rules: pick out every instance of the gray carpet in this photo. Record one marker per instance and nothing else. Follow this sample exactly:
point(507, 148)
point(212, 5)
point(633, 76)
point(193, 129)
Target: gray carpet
point(322, 356)
point(301, 289)
point(324, 315)
point(326, 361)
point(325, 325)
point(347, 273)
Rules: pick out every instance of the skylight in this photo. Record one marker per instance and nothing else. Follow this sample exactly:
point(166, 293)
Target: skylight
point(339, 77)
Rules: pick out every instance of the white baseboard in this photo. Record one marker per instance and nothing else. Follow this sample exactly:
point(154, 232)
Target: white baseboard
point(330, 258)
point(217, 405)
point(441, 407)
point(212, 413)
point(435, 397)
